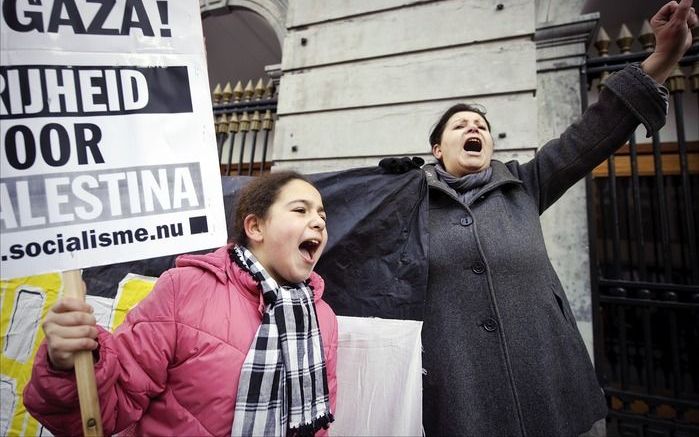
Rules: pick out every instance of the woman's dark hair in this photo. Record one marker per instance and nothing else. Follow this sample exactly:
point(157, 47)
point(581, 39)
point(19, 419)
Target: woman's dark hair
point(436, 135)
point(256, 198)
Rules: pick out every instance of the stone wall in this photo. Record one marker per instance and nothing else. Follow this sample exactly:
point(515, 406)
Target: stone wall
point(364, 80)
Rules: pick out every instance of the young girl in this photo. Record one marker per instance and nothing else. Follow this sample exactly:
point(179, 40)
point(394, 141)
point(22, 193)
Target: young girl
point(237, 341)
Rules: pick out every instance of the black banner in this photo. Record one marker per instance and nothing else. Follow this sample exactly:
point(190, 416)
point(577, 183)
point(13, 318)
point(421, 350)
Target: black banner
point(375, 262)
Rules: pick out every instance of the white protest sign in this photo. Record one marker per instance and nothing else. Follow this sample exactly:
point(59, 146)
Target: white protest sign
point(107, 138)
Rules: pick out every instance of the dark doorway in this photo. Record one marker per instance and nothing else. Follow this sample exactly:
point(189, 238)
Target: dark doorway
point(239, 44)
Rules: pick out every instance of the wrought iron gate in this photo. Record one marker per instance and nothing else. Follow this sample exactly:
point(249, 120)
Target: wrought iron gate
point(244, 120)
point(643, 212)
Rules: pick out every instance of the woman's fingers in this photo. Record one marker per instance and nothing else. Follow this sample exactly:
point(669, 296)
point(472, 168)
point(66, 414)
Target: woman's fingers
point(665, 13)
point(675, 13)
point(671, 26)
point(693, 20)
point(682, 11)
point(683, 14)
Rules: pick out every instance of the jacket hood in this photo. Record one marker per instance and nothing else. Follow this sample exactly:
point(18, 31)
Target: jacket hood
point(219, 263)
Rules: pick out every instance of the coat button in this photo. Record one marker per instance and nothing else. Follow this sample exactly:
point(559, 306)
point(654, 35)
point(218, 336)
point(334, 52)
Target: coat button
point(490, 324)
point(478, 267)
point(466, 221)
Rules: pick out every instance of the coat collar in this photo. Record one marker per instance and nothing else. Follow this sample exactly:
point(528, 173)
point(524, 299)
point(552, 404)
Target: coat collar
point(226, 271)
point(501, 176)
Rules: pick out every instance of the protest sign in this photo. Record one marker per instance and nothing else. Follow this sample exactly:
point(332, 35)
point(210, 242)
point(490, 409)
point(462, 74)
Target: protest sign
point(108, 151)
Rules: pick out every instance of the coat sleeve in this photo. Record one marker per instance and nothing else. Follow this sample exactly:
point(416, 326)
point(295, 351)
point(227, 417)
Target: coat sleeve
point(131, 368)
point(331, 363)
point(629, 97)
point(330, 350)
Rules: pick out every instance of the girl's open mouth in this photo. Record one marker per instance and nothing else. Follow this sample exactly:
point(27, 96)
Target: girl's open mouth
point(308, 249)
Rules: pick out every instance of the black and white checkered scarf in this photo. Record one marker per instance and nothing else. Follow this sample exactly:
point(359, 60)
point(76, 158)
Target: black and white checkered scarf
point(283, 388)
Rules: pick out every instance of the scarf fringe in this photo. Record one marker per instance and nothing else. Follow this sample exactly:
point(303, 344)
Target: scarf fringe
point(309, 429)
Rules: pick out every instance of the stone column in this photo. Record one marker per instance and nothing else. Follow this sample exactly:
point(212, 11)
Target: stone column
point(560, 51)
point(561, 48)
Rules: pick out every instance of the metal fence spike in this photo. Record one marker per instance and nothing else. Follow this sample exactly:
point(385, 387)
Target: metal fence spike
point(238, 91)
point(233, 123)
point(676, 81)
point(217, 93)
point(245, 122)
point(270, 89)
point(647, 37)
point(249, 91)
point(227, 92)
point(602, 42)
point(259, 89)
point(625, 39)
point(267, 120)
point(255, 121)
point(694, 77)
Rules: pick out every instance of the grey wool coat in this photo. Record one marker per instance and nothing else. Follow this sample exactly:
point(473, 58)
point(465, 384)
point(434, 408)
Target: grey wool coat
point(502, 353)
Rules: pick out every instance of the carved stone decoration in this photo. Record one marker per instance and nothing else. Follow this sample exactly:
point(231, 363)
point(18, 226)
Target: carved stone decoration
point(274, 11)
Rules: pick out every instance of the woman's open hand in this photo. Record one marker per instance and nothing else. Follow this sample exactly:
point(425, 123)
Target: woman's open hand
point(69, 327)
point(672, 26)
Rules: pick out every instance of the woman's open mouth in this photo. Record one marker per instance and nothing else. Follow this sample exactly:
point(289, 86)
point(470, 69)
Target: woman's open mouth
point(308, 249)
point(473, 145)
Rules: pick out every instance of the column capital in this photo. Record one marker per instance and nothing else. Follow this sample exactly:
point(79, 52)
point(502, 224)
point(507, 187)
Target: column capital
point(563, 44)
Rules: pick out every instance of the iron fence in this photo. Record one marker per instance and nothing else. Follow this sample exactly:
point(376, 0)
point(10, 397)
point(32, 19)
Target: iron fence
point(644, 215)
point(244, 120)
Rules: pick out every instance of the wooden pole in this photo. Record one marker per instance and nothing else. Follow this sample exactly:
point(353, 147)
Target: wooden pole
point(84, 367)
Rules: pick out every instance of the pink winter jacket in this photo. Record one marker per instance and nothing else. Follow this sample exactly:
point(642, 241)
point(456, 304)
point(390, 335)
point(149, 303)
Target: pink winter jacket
point(172, 368)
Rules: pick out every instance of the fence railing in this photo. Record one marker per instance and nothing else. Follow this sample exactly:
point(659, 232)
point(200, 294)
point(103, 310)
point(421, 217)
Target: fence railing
point(244, 118)
point(644, 217)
